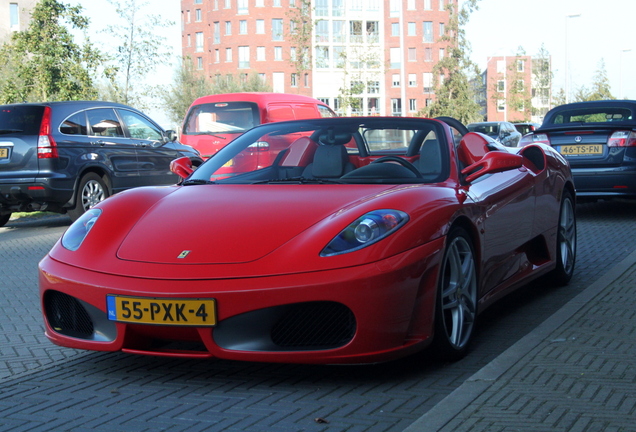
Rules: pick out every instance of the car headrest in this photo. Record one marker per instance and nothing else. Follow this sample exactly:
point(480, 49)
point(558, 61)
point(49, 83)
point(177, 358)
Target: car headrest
point(334, 138)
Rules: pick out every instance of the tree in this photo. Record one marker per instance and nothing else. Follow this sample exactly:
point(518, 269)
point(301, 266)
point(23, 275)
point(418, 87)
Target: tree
point(188, 85)
point(542, 80)
point(138, 50)
point(300, 34)
point(43, 62)
point(454, 94)
point(600, 87)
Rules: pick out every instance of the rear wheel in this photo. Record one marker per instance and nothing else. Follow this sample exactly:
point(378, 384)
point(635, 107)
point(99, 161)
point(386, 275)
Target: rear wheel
point(4, 219)
point(92, 190)
point(566, 241)
point(456, 311)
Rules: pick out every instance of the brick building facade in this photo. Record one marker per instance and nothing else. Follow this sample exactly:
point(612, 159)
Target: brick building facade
point(367, 56)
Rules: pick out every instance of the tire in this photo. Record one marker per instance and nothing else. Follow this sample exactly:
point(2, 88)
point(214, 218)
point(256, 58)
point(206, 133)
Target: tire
point(4, 219)
point(566, 241)
point(456, 303)
point(91, 191)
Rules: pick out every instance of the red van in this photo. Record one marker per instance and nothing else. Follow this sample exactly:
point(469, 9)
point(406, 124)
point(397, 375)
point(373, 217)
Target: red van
point(213, 121)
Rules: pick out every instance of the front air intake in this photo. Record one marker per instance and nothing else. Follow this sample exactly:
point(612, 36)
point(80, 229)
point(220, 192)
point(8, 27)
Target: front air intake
point(67, 316)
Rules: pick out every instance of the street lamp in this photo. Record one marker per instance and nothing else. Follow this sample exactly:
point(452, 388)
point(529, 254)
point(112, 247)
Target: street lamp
point(567, 89)
point(620, 73)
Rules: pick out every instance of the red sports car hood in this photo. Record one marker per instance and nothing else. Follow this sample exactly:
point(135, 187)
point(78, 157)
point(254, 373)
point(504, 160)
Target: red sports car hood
point(234, 223)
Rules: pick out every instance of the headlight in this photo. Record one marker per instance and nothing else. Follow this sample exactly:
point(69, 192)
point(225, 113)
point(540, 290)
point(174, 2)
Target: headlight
point(77, 232)
point(365, 231)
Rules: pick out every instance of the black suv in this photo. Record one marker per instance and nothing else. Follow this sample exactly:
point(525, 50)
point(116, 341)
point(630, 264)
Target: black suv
point(66, 157)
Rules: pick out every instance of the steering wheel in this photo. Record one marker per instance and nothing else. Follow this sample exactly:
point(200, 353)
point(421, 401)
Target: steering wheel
point(406, 164)
point(455, 124)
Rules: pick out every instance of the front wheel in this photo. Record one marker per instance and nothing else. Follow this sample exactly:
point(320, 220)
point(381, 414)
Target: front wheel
point(566, 241)
point(92, 190)
point(456, 311)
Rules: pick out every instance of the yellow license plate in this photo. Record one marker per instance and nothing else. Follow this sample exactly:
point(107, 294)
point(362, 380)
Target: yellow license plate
point(581, 149)
point(178, 312)
point(4, 153)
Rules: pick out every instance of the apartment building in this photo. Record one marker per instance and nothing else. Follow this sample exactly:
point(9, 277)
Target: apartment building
point(513, 89)
point(14, 16)
point(363, 57)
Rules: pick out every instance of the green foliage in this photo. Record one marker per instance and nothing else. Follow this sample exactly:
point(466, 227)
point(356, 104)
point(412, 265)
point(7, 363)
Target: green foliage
point(237, 84)
point(600, 87)
point(454, 94)
point(300, 33)
point(188, 85)
point(43, 62)
point(137, 50)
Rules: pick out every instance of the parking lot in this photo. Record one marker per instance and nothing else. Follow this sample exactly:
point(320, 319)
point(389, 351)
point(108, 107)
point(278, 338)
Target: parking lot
point(47, 388)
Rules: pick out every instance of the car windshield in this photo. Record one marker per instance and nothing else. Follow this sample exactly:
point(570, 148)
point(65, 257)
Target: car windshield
point(221, 117)
point(490, 129)
point(593, 115)
point(336, 150)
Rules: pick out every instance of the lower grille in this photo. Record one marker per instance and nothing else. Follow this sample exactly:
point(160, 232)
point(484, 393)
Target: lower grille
point(315, 325)
point(67, 316)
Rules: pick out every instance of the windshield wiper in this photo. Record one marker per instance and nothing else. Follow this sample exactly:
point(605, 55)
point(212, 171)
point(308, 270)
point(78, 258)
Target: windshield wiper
point(197, 182)
point(298, 180)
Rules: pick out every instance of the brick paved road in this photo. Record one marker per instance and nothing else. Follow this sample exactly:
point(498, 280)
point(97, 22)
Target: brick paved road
point(47, 388)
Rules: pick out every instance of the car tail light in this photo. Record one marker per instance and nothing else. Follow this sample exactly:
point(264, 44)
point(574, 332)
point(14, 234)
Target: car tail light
point(622, 139)
point(534, 139)
point(47, 148)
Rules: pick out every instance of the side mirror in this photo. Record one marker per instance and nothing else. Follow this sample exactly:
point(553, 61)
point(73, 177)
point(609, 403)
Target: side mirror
point(171, 135)
point(493, 162)
point(182, 167)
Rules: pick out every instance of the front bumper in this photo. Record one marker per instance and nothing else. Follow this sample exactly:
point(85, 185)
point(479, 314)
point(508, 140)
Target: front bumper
point(368, 313)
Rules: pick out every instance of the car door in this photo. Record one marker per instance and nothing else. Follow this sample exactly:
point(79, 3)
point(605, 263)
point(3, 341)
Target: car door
point(507, 202)
point(108, 146)
point(153, 154)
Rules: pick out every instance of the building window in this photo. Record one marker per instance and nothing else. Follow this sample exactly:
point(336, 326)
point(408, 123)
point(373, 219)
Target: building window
point(294, 80)
point(260, 3)
point(395, 29)
point(322, 57)
point(427, 5)
point(278, 53)
point(501, 86)
point(217, 56)
point(321, 8)
point(373, 87)
point(410, 5)
point(338, 31)
point(260, 26)
point(339, 56)
point(396, 107)
point(217, 32)
point(520, 65)
point(199, 63)
point(412, 80)
point(189, 40)
point(355, 31)
point(277, 3)
point(442, 29)
point(427, 78)
point(337, 8)
point(243, 27)
point(228, 4)
point(262, 77)
point(198, 1)
point(395, 6)
point(441, 5)
point(412, 54)
point(197, 15)
point(501, 105)
point(199, 42)
point(242, 7)
point(411, 29)
point(412, 105)
point(228, 27)
point(244, 57)
point(373, 31)
point(428, 31)
point(395, 81)
point(277, 29)
point(228, 54)
point(395, 58)
point(442, 53)
point(306, 80)
point(428, 54)
point(373, 106)
point(322, 31)
point(260, 53)
point(501, 66)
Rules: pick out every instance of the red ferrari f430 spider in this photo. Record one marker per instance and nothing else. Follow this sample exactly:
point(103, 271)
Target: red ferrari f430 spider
point(362, 240)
